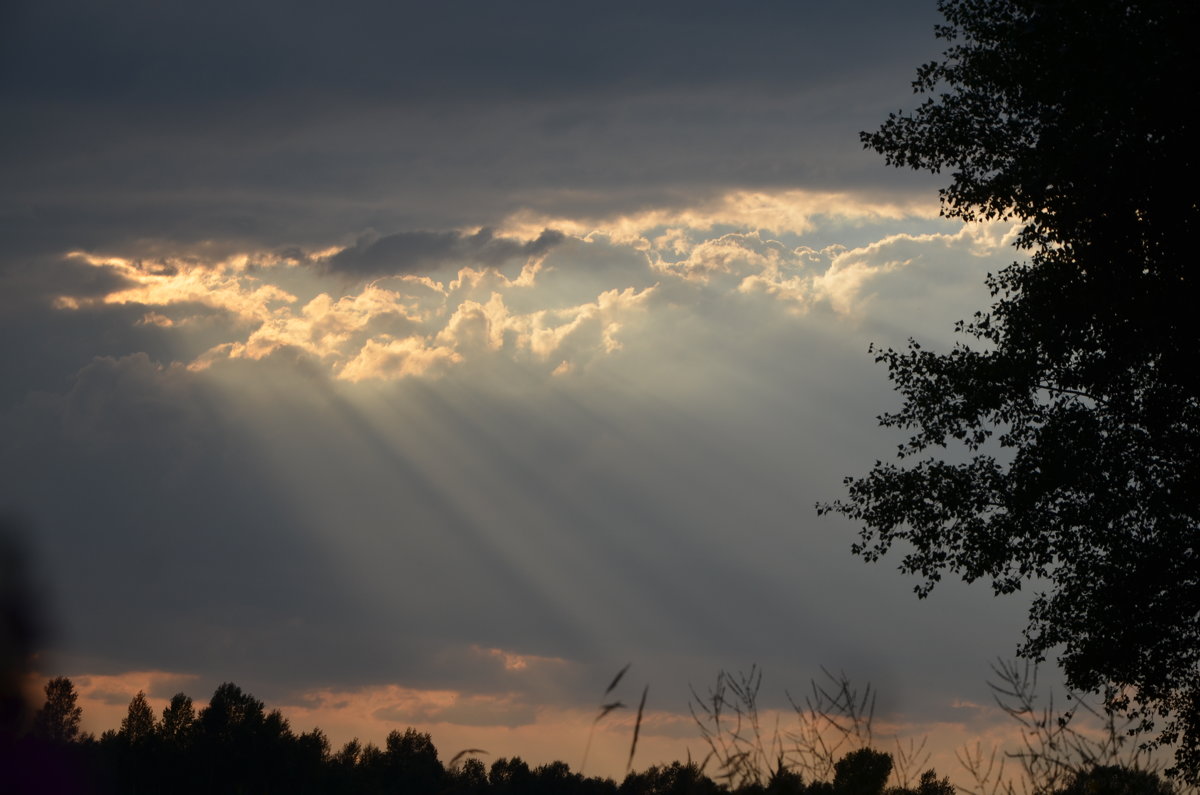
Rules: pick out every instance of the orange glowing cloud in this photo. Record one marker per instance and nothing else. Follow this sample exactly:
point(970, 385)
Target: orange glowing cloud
point(778, 211)
point(409, 326)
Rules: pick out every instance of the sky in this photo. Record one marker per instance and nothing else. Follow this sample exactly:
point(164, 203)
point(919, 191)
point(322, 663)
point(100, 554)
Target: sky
point(422, 364)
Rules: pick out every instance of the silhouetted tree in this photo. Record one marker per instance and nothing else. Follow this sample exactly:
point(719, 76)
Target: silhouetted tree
point(412, 761)
point(58, 719)
point(348, 755)
point(230, 715)
point(469, 778)
point(785, 782)
point(1114, 780)
point(238, 746)
point(1077, 404)
point(178, 717)
point(308, 766)
point(314, 745)
point(510, 775)
point(862, 772)
point(555, 778)
point(137, 727)
point(929, 784)
point(672, 779)
point(130, 757)
point(54, 757)
point(370, 774)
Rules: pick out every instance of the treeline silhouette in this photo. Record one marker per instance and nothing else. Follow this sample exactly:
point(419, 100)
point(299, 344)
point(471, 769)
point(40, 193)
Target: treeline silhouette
point(235, 745)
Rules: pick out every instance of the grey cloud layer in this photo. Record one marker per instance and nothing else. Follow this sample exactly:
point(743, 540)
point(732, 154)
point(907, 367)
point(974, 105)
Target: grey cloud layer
point(145, 55)
point(276, 124)
point(419, 252)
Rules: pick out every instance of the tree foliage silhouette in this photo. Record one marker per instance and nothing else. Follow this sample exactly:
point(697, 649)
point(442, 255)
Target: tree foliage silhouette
point(672, 779)
point(510, 775)
point(1075, 401)
point(50, 758)
point(138, 724)
point(242, 744)
point(58, 719)
point(1113, 780)
point(178, 718)
point(862, 772)
point(235, 745)
point(412, 761)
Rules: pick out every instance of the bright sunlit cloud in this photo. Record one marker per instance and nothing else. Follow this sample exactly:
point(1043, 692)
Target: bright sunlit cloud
point(425, 324)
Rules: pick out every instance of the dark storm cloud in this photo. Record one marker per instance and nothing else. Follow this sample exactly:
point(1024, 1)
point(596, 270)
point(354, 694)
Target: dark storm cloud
point(44, 347)
point(272, 124)
point(421, 252)
point(144, 55)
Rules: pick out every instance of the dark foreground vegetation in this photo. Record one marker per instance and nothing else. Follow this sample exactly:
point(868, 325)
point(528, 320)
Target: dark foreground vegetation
point(1056, 446)
point(235, 745)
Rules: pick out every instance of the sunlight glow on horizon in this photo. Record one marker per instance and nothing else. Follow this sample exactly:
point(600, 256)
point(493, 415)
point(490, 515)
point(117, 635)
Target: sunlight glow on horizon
point(505, 726)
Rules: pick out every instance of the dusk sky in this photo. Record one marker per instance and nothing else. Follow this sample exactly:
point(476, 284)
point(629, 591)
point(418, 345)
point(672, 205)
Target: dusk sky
point(423, 364)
